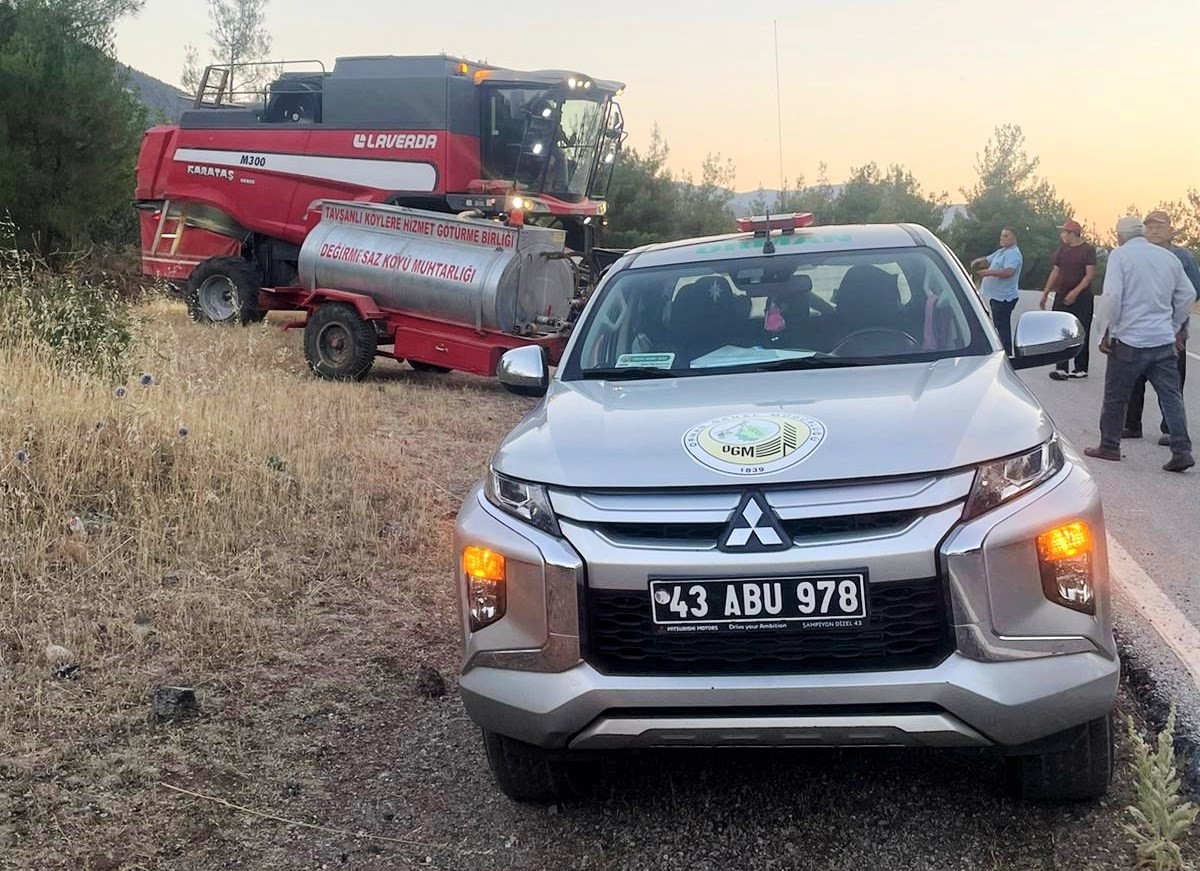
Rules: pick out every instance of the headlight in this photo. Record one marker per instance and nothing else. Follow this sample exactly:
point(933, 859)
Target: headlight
point(999, 481)
point(528, 502)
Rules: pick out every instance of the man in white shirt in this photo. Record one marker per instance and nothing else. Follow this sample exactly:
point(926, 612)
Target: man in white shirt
point(1146, 303)
point(1160, 232)
point(1001, 274)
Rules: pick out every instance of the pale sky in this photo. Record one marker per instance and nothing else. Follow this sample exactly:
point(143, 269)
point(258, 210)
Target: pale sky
point(1105, 90)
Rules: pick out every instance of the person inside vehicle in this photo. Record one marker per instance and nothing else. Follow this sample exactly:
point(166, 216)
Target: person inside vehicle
point(788, 310)
point(705, 316)
point(870, 318)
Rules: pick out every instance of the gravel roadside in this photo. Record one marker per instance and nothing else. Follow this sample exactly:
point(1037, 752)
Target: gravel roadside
point(371, 756)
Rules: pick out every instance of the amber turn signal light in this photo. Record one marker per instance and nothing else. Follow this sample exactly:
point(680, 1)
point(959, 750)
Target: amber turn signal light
point(1065, 542)
point(1065, 562)
point(483, 565)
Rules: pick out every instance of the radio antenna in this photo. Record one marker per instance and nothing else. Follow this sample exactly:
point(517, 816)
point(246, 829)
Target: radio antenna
point(768, 245)
point(778, 106)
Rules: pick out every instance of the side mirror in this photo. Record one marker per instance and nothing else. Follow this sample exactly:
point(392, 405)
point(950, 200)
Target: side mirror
point(1046, 338)
point(523, 371)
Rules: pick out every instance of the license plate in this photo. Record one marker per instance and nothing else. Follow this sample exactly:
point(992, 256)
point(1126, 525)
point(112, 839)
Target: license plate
point(830, 601)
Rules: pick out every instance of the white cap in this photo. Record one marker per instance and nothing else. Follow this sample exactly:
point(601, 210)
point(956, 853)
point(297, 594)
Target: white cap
point(1131, 225)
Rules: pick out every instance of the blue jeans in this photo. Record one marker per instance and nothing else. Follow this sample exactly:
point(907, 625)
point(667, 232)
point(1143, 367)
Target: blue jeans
point(1137, 402)
point(1002, 310)
point(1126, 364)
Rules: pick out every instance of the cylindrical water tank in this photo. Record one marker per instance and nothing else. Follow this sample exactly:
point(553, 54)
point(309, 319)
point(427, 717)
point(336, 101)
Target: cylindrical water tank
point(474, 272)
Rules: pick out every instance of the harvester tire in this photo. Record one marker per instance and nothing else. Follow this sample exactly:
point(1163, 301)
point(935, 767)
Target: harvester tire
point(224, 290)
point(338, 344)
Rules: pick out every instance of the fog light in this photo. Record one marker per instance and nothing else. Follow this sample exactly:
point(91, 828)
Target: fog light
point(1065, 560)
point(485, 577)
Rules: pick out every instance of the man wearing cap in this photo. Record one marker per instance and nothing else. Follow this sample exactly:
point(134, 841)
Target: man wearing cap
point(1147, 300)
point(1071, 282)
point(1001, 274)
point(1160, 232)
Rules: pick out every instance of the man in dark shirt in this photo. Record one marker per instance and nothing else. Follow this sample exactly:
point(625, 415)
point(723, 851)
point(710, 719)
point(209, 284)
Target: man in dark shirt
point(1071, 282)
point(1160, 232)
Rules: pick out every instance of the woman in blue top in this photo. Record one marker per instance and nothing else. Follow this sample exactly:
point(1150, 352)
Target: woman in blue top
point(1001, 276)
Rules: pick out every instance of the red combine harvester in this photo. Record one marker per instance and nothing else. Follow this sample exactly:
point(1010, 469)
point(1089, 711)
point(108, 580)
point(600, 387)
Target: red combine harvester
point(457, 206)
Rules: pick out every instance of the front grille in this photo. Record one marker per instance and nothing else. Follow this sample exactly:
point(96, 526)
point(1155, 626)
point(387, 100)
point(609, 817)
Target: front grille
point(908, 627)
point(799, 530)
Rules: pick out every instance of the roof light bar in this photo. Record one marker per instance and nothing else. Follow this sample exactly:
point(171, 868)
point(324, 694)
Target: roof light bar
point(760, 225)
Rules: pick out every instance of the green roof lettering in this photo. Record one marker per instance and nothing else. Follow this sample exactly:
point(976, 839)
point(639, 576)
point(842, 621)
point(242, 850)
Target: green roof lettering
point(780, 241)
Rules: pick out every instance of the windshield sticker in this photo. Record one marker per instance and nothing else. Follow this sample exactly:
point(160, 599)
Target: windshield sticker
point(754, 444)
point(645, 361)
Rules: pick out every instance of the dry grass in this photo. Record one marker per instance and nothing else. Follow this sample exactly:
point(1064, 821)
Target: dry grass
point(178, 503)
point(205, 528)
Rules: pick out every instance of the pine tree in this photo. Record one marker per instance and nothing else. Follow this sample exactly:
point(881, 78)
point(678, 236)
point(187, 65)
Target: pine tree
point(69, 127)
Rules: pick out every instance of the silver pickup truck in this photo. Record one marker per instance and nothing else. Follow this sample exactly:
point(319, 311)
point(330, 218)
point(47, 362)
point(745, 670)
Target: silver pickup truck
point(786, 489)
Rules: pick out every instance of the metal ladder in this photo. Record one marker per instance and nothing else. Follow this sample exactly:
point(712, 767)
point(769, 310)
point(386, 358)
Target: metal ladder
point(179, 222)
point(224, 73)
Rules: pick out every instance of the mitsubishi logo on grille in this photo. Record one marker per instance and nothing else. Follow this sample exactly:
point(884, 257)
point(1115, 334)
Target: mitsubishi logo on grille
point(754, 528)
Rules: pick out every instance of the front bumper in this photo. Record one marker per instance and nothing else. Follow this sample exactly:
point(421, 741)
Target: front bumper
point(1024, 668)
point(961, 702)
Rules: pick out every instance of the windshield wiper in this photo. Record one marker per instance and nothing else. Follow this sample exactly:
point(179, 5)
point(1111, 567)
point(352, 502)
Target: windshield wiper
point(815, 362)
point(628, 373)
point(828, 361)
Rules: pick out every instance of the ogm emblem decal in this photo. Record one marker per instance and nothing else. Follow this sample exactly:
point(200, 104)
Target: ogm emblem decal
point(754, 444)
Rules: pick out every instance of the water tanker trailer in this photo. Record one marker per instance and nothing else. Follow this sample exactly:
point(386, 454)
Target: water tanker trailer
point(440, 291)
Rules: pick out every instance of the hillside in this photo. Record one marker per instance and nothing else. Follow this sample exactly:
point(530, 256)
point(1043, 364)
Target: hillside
point(741, 202)
point(165, 102)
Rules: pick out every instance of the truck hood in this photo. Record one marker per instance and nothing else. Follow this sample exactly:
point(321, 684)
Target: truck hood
point(775, 428)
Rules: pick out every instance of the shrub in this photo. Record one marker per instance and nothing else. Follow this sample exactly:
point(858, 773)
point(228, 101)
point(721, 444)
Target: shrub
point(1161, 818)
point(79, 327)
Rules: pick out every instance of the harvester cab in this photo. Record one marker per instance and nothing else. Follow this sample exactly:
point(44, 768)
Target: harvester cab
point(548, 145)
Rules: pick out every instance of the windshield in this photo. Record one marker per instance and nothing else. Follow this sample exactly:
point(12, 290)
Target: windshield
point(574, 158)
point(541, 142)
point(777, 312)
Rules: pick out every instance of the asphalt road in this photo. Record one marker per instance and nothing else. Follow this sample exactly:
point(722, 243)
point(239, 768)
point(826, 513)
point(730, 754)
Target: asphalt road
point(1152, 516)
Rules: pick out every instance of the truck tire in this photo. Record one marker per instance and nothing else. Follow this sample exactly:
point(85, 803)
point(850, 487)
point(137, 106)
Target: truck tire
point(338, 344)
point(1079, 770)
point(223, 290)
point(527, 773)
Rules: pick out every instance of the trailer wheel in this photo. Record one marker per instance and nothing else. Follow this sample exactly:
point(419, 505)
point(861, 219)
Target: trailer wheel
point(223, 290)
point(338, 343)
